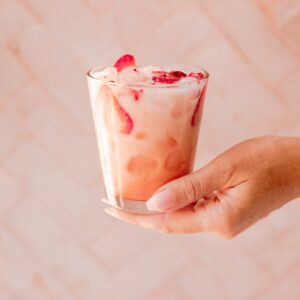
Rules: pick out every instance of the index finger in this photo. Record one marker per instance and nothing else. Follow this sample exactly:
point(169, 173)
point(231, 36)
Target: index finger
point(185, 220)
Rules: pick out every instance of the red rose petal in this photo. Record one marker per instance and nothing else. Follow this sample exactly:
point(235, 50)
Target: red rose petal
point(125, 61)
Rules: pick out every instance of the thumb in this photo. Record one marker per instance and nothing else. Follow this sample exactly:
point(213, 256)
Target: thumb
point(190, 188)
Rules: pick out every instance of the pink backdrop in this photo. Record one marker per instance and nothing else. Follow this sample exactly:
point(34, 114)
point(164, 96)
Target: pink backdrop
point(55, 240)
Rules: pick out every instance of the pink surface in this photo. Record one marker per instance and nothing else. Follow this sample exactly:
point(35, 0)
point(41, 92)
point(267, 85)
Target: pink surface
point(55, 240)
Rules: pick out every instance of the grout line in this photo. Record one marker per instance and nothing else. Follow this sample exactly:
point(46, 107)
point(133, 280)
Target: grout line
point(22, 192)
point(271, 23)
point(41, 206)
point(41, 21)
point(58, 161)
point(14, 93)
point(261, 265)
point(28, 250)
point(240, 52)
point(65, 110)
point(142, 248)
point(286, 75)
point(87, 4)
point(30, 10)
point(15, 147)
point(206, 265)
point(16, 52)
point(172, 277)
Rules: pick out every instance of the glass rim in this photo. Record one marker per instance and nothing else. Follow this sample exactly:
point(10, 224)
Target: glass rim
point(90, 75)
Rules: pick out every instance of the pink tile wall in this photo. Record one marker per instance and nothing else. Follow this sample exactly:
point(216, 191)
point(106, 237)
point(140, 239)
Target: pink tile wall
point(55, 240)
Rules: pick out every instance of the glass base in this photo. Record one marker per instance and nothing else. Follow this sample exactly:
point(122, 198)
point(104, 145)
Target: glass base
point(131, 206)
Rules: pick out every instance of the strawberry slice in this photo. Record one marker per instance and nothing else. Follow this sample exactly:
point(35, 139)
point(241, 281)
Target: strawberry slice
point(126, 123)
point(136, 94)
point(167, 77)
point(113, 110)
point(198, 75)
point(125, 61)
point(198, 108)
point(177, 74)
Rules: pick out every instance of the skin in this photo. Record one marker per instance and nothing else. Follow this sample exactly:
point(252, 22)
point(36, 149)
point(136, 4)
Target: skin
point(235, 190)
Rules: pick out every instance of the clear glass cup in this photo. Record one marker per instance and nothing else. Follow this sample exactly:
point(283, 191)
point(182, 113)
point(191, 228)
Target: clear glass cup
point(147, 135)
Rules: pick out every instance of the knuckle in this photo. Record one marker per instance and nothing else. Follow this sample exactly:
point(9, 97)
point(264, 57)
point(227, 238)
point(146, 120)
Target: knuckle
point(228, 229)
point(191, 189)
point(165, 226)
point(225, 166)
point(229, 235)
point(165, 230)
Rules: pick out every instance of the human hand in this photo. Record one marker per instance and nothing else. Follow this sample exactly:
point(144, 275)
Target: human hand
point(232, 192)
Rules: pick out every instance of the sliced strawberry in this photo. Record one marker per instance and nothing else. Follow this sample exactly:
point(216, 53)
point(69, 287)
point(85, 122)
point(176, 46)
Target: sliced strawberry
point(198, 75)
point(126, 124)
point(198, 108)
point(136, 94)
point(167, 77)
point(124, 61)
point(164, 79)
point(177, 74)
point(113, 107)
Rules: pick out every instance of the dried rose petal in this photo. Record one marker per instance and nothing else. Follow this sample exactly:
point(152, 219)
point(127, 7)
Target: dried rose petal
point(167, 77)
point(198, 75)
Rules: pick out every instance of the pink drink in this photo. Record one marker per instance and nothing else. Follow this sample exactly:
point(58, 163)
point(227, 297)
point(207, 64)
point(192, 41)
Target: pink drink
point(147, 122)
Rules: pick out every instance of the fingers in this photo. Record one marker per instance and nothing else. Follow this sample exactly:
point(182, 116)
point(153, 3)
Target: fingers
point(105, 201)
point(181, 221)
point(190, 188)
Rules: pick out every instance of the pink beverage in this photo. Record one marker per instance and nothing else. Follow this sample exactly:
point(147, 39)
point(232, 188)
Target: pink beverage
point(147, 121)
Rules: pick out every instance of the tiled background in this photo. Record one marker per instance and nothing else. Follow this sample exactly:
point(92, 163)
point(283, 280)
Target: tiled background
point(55, 240)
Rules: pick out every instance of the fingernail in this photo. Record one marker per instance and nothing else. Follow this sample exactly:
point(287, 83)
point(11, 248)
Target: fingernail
point(161, 201)
point(104, 200)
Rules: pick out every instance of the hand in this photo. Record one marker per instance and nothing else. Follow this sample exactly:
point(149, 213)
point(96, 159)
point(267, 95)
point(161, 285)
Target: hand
point(232, 192)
